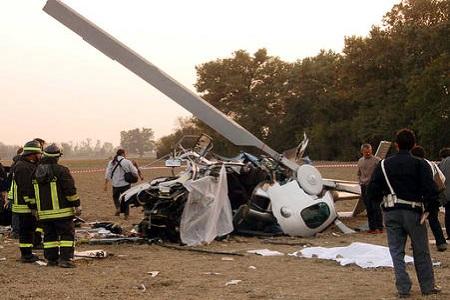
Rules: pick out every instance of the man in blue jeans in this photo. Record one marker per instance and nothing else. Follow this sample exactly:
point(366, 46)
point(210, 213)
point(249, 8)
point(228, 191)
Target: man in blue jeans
point(409, 182)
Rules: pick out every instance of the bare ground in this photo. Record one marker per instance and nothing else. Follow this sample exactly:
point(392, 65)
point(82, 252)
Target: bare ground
point(184, 275)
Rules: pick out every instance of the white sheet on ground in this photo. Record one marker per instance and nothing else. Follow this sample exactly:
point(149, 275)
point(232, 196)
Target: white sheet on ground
point(362, 254)
point(207, 213)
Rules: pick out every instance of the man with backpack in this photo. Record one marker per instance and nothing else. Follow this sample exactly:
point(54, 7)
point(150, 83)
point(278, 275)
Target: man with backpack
point(122, 173)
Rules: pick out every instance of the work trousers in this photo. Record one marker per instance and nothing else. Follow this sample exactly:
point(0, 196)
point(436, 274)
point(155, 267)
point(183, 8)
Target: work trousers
point(374, 215)
point(27, 232)
point(447, 218)
point(401, 223)
point(59, 239)
point(15, 223)
point(436, 228)
point(122, 207)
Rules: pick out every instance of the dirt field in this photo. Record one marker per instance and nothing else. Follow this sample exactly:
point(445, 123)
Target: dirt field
point(184, 275)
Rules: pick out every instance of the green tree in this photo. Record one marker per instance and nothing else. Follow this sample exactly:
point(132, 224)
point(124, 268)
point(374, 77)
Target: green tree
point(137, 140)
point(250, 89)
point(186, 126)
point(67, 149)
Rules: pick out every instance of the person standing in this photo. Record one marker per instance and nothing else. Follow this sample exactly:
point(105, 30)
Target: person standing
point(444, 166)
point(55, 198)
point(433, 218)
point(366, 165)
point(115, 172)
point(406, 182)
point(21, 186)
point(15, 217)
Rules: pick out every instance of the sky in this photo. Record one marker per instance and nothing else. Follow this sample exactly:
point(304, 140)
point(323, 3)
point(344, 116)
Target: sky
point(56, 86)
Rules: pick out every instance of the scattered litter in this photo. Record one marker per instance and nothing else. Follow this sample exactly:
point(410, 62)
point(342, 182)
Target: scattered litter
point(142, 287)
point(437, 264)
point(335, 234)
point(153, 273)
point(432, 242)
point(41, 263)
point(252, 267)
point(233, 282)
point(91, 254)
point(362, 254)
point(211, 273)
point(265, 252)
point(112, 227)
point(122, 255)
point(342, 227)
point(227, 258)
point(2, 258)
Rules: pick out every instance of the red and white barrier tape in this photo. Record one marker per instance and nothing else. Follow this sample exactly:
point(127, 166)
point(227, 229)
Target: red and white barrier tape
point(82, 171)
point(349, 165)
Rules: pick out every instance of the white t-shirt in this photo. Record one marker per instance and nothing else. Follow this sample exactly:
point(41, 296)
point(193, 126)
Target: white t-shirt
point(118, 178)
point(434, 169)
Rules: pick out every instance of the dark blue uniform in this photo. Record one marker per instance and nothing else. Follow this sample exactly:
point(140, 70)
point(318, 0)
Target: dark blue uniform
point(412, 181)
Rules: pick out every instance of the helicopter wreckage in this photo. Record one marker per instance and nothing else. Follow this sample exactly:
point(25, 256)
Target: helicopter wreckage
point(268, 193)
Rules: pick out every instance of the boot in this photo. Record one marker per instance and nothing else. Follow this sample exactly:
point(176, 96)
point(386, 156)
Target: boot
point(66, 264)
point(29, 258)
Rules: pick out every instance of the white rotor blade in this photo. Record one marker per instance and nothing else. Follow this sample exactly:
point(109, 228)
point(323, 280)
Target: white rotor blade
point(117, 51)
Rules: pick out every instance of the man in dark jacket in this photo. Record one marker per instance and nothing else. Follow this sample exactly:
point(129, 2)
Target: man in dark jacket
point(408, 182)
point(21, 187)
point(56, 200)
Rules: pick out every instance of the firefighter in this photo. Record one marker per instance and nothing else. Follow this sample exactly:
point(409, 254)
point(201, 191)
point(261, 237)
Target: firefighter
point(56, 201)
point(21, 187)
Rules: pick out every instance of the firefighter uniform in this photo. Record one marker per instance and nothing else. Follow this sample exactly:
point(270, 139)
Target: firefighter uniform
point(56, 200)
point(21, 186)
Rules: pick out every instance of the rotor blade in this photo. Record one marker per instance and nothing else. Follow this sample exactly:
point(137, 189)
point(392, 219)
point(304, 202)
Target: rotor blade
point(117, 51)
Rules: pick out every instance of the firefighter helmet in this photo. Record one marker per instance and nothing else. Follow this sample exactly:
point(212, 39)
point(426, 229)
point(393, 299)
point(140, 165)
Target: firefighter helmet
point(52, 150)
point(31, 147)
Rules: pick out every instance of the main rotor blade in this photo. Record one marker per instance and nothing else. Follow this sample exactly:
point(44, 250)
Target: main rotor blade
point(117, 51)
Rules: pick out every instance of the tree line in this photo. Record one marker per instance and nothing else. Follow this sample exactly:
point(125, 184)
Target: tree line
point(135, 141)
point(397, 76)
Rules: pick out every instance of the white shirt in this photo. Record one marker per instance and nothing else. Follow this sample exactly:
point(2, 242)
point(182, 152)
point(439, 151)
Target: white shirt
point(434, 169)
point(118, 178)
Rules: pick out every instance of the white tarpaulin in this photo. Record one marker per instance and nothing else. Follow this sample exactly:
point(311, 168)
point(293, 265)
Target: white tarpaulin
point(361, 254)
point(207, 213)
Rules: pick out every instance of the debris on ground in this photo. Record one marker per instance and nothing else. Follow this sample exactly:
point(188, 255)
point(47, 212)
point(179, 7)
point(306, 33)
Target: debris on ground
point(211, 273)
point(153, 273)
point(91, 254)
point(233, 282)
point(227, 258)
point(265, 252)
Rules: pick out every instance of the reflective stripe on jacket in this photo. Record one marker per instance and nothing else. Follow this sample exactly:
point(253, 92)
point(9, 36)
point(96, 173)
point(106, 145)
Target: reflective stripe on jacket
point(57, 198)
point(21, 185)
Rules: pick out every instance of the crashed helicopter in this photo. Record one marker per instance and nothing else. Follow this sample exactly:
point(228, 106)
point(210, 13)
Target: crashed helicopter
point(293, 195)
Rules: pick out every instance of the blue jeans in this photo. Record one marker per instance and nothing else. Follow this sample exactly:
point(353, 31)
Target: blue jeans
point(401, 223)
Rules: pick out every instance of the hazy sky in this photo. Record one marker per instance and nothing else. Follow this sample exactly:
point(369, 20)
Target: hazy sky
point(55, 86)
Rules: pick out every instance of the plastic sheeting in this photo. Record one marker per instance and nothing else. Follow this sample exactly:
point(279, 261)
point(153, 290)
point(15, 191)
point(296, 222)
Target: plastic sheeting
point(207, 213)
point(362, 254)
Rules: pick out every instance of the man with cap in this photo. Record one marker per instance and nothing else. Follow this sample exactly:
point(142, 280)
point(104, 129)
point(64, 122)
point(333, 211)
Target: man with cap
point(56, 201)
point(21, 187)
